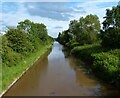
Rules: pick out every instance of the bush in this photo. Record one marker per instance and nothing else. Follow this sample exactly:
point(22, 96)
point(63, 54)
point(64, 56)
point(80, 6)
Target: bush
point(72, 44)
point(107, 66)
point(105, 62)
point(86, 51)
point(10, 57)
point(115, 52)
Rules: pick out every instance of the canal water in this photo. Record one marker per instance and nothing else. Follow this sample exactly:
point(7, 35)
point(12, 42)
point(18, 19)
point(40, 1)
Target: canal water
point(57, 73)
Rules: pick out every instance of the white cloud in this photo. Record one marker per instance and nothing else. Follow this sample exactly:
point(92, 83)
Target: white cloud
point(12, 18)
point(92, 8)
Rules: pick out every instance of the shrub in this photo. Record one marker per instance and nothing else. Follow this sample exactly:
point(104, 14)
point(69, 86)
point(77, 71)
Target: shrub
point(10, 57)
point(72, 44)
point(86, 51)
point(106, 62)
point(115, 52)
point(107, 66)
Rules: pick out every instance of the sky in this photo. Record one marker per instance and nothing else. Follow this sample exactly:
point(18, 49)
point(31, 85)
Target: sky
point(55, 14)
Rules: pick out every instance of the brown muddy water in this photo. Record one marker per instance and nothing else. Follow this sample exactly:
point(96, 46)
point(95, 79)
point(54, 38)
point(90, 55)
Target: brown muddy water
point(57, 73)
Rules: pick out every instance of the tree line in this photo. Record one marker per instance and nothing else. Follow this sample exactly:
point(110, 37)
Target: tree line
point(99, 47)
point(87, 30)
point(19, 42)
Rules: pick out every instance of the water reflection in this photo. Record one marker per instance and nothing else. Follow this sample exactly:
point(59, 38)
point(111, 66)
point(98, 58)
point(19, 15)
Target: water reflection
point(58, 74)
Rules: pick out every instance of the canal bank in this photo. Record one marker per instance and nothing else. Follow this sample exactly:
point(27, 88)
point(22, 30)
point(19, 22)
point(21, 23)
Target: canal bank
point(59, 74)
point(22, 68)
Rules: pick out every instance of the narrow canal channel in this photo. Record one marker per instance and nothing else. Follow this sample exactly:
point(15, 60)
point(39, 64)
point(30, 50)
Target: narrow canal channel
point(57, 73)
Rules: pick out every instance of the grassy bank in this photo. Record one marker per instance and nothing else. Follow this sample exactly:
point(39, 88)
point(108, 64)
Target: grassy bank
point(9, 74)
point(104, 62)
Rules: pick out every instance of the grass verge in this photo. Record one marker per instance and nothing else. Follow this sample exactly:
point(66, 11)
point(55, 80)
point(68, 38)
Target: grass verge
point(9, 74)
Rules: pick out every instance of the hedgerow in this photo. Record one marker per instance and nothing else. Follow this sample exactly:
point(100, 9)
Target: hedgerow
point(104, 62)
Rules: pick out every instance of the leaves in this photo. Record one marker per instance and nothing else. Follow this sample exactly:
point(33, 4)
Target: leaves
point(83, 31)
point(19, 43)
point(112, 18)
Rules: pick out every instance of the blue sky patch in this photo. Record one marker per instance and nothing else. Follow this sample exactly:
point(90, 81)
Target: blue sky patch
point(9, 7)
point(107, 4)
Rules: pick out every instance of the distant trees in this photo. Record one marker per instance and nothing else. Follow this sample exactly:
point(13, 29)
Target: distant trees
point(20, 42)
point(87, 30)
point(111, 28)
point(36, 32)
point(83, 31)
point(32, 28)
point(103, 55)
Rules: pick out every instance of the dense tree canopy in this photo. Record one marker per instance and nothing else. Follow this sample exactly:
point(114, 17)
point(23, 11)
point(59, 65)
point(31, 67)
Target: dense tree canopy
point(83, 31)
point(25, 39)
point(112, 18)
point(111, 34)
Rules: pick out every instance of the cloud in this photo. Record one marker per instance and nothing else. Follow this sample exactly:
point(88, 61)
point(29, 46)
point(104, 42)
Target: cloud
point(58, 11)
point(55, 15)
point(58, 27)
point(98, 7)
point(119, 3)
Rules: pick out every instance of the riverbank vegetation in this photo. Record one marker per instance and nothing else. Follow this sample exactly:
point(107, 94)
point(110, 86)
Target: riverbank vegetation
point(21, 46)
point(101, 47)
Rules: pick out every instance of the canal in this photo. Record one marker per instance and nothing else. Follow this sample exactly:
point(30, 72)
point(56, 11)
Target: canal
point(57, 73)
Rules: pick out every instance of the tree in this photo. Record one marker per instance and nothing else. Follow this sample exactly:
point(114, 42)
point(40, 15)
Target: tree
point(111, 26)
point(112, 18)
point(73, 27)
point(86, 29)
point(37, 33)
point(33, 29)
point(83, 31)
point(18, 41)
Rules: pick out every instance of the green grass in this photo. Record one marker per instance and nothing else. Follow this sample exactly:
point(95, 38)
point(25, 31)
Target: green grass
point(9, 74)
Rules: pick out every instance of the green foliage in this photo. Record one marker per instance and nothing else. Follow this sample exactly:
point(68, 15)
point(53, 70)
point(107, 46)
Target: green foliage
point(21, 47)
point(88, 29)
point(84, 31)
point(72, 44)
point(9, 57)
point(111, 38)
point(19, 43)
point(107, 66)
point(9, 74)
point(33, 29)
point(85, 51)
point(37, 33)
point(99, 47)
point(105, 62)
point(64, 38)
point(115, 52)
point(111, 34)
point(112, 18)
